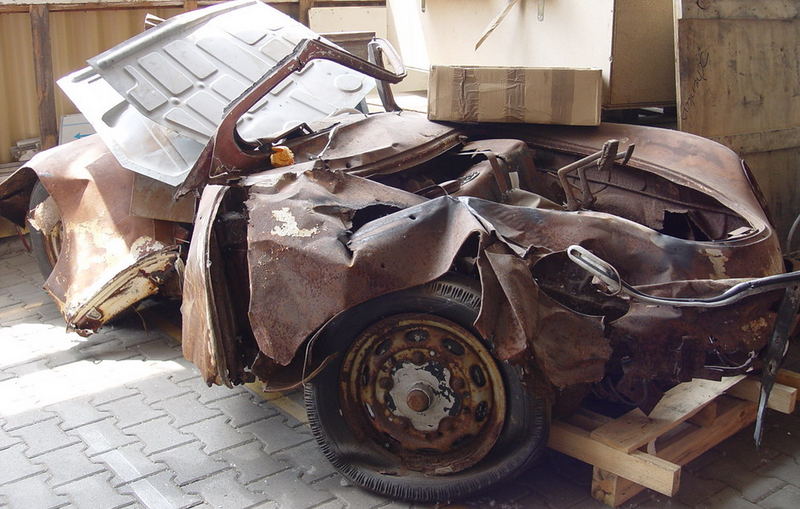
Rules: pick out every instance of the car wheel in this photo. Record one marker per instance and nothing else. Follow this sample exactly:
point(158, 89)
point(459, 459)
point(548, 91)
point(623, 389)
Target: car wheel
point(45, 245)
point(415, 407)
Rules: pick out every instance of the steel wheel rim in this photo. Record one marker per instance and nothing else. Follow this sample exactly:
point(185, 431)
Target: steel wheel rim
point(424, 389)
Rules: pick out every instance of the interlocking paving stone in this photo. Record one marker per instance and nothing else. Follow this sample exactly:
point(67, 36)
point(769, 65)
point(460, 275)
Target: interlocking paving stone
point(130, 411)
point(128, 463)
point(68, 464)
point(158, 435)
point(349, 494)
point(223, 490)
point(43, 436)
point(94, 491)
point(783, 467)
point(113, 393)
point(185, 410)
point(731, 472)
point(785, 498)
point(76, 412)
point(308, 460)
point(694, 489)
point(729, 498)
point(251, 462)
point(289, 491)
point(189, 463)
point(206, 393)
point(276, 437)
point(102, 436)
point(216, 434)
point(160, 492)
point(32, 492)
point(332, 504)
point(16, 465)
point(160, 349)
point(158, 388)
point(7, 440)
point(243, 410)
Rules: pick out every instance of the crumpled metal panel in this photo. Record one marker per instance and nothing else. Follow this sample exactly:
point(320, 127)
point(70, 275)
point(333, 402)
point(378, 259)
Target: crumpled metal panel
point(185, 71)
point(109, 259)
point(301, 252)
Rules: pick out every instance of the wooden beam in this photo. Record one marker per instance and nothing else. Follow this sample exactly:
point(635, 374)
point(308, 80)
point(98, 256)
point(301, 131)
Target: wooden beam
point(43, 70)
point(782, 398)
point(635, 429)
point(613, 489)
point(302, 12)
point(645, 469)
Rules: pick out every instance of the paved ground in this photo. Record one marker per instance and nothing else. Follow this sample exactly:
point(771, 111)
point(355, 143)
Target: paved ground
point(122, 420)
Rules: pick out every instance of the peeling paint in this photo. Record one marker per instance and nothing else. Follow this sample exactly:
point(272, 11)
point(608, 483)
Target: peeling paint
point(289, 227)
point(718, 261)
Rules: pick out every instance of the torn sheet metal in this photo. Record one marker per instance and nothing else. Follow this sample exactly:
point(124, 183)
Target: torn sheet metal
point(109, 259)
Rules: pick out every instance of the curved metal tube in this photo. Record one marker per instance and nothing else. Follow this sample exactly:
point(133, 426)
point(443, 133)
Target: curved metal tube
point(609, 275)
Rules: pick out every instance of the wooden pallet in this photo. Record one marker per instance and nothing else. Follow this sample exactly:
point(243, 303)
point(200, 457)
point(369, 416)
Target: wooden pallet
point(636, 451)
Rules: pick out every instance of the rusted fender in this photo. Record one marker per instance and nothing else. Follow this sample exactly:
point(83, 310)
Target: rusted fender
point(109, 259)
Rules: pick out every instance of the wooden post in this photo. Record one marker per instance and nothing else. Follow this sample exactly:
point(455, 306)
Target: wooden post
point(43, 69)
point(189, 5)
point(303, 8)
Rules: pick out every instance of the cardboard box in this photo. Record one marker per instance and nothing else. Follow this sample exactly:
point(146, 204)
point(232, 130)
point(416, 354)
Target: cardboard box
point(515, 94)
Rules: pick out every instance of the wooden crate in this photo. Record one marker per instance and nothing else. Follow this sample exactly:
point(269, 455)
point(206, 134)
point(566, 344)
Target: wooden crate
point(737, 77)
point(637, 451)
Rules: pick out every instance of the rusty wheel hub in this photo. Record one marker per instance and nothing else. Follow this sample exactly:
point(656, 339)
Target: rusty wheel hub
point(426, 389)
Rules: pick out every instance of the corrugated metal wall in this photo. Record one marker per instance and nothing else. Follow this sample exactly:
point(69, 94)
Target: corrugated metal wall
point(75, 36)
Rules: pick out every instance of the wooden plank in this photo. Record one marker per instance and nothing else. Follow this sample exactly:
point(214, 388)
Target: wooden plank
point(782, 397)
point(749, 9)
point(735, 415)
point(43, 71)
point(762, 141)
point(647, 470)
point(635, 429)
point(790, 378)
point(707, 415)
point(612, 489)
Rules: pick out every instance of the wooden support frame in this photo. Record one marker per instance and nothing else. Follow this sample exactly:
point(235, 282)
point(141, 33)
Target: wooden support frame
point(636, 452)
point(43, 71)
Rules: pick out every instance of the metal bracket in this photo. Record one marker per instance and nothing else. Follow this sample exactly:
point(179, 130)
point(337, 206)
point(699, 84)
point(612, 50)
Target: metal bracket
point(776, 351)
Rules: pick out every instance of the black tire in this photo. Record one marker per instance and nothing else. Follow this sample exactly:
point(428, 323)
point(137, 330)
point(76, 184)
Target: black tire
point(39, 240)
point(524, 431)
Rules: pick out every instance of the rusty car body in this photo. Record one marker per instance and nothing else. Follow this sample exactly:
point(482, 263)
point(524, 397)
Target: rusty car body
point(437, 287)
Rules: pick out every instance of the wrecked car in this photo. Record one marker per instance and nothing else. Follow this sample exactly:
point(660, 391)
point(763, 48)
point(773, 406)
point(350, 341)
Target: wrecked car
point(437, 288)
